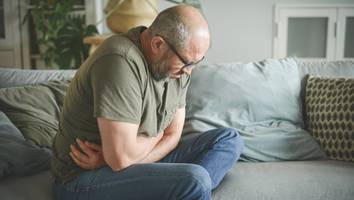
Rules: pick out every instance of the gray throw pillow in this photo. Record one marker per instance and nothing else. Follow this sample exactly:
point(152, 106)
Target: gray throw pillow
point(261, 100)
point(18, 157)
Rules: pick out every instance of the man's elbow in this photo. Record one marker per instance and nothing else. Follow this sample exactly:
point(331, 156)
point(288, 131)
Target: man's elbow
point(118, 164)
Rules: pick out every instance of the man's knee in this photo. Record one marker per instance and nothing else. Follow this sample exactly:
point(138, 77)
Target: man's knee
point(235, 136)
point(231, 137)
point(197, 178)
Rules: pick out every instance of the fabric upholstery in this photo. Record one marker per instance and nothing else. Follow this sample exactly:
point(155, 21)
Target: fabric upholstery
point(310, 180)
point(34, 187)
point(18, 157)
point(34, 109)
point(330, 115)
point(261, 100)
point(313, 180)
point(15, 77)
point(343, 69)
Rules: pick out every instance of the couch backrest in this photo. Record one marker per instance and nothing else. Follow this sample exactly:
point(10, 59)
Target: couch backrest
point(260, 99)
point(259, 91)
point(343, 69)
point(248, 93)
point(17, 77)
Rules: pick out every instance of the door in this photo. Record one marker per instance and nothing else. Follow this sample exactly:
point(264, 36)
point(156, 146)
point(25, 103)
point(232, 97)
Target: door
point(10, 55)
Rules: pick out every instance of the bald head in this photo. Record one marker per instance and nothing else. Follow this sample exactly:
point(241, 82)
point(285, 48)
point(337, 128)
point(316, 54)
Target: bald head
point(183, 25)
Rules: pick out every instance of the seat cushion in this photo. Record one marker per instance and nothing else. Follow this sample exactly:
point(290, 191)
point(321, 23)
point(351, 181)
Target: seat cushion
point(35, 187)
point(311, 180)
point(295, 180)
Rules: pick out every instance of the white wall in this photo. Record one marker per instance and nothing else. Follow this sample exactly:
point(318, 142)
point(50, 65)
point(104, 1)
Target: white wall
point(242, 30)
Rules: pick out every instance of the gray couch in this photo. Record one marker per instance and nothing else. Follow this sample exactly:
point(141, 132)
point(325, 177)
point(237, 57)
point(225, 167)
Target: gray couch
point(264, 101)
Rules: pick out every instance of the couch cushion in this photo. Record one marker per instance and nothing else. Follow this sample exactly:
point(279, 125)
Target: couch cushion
point(330, 115)
point(260, 100)
point(34, 109)
point(311, 180)
point(17, 157)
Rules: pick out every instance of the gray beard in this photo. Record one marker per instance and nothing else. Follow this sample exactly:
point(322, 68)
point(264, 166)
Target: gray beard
point(160, 71)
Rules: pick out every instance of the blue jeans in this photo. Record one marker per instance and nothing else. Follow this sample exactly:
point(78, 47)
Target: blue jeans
point(191, 171)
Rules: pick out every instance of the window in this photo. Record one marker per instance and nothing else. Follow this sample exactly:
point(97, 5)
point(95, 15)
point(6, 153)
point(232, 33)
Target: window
point(314, 32)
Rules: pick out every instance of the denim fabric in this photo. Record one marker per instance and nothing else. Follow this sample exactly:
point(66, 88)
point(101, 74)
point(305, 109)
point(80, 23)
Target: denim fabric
point(191, 171)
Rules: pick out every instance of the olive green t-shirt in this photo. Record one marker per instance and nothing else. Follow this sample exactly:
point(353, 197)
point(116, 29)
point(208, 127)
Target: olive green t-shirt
point(114, 83)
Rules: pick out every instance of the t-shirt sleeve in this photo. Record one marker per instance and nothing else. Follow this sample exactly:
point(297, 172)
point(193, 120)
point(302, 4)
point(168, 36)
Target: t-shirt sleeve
point(116, 89)
point(185, 81)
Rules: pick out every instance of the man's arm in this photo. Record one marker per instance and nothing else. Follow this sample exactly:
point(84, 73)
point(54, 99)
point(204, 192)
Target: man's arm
point(121, 146)
point(159, 147)
point(170, 138)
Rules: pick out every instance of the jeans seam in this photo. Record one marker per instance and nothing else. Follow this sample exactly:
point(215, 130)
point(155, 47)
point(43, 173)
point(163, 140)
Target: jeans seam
point(96, 186)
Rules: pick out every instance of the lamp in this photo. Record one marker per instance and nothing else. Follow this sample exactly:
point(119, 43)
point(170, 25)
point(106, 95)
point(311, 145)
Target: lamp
point(125, 14)
point(122, 15)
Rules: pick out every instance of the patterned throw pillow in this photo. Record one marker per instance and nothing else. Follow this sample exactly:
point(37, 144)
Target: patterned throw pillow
point(330, 115)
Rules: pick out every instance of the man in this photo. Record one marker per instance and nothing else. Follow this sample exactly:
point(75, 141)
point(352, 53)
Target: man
point(129, 99)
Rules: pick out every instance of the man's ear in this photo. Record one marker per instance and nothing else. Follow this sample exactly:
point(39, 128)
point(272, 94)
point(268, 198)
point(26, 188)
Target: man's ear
point(156, 45)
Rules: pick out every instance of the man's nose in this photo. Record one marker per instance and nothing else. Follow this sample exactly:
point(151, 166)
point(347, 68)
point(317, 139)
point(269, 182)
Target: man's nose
point(187, 70)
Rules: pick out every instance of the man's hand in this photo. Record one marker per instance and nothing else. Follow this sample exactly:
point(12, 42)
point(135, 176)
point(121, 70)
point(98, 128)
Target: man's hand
point(122, 146)
point(169, 140)
point(92, 156)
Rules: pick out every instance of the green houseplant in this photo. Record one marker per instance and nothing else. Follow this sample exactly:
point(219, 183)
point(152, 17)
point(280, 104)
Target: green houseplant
point(60, 32)
point(121, 15)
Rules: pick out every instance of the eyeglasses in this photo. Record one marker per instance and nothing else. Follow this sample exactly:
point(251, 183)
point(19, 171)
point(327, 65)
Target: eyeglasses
point(186, 64)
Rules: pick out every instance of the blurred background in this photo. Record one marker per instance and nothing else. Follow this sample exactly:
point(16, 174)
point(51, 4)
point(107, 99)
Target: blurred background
point(60, 34)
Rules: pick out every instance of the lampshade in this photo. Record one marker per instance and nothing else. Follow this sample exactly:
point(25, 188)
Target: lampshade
point(125, 14)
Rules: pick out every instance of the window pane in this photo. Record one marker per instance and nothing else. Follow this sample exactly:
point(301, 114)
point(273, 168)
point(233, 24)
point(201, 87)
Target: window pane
point(2, 20)
point(307, 37)
point(349, 38)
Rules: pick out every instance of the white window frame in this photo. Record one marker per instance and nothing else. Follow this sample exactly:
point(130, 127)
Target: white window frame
point(282, 12)
point(341, 24)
